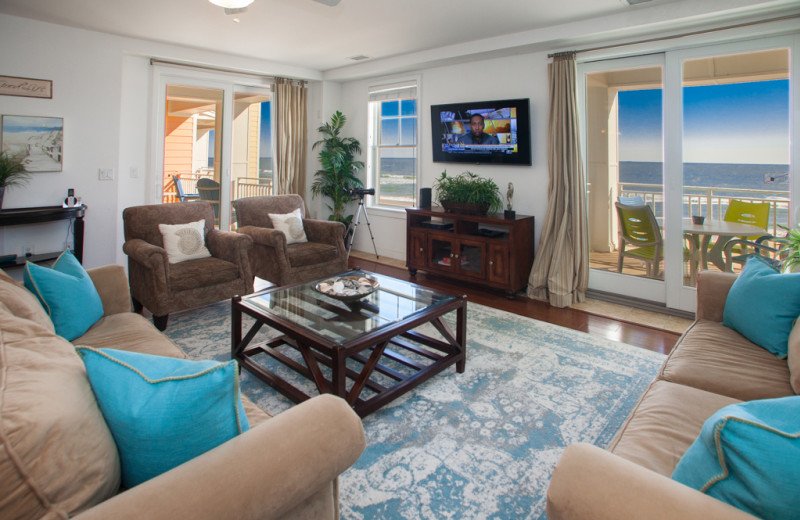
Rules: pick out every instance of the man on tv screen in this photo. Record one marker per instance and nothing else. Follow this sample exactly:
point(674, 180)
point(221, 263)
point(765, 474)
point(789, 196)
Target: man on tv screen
point(476, 134)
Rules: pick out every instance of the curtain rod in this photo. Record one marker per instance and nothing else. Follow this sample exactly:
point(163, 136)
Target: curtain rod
point(682, 35)
point(154, 61)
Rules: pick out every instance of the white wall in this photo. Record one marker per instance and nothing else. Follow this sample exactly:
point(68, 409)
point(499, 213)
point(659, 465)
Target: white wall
point(102, 88)
point(86, 73)
point(521, 76)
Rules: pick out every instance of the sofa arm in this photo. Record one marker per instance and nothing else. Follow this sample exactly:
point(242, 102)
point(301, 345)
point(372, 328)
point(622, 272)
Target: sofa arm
point(147, 254)
point(712, 291)
point(266, 237)
point(592, 484)
point(228, 245)
point(260, 474)
point(111, 283)
point(324, 231)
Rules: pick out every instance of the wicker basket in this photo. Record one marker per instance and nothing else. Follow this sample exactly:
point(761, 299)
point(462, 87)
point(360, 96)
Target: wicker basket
point(465, 208)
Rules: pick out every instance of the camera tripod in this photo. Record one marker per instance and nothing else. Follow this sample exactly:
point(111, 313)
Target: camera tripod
point(354, 227)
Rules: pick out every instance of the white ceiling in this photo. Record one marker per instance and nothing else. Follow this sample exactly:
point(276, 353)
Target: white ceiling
point(308, 34)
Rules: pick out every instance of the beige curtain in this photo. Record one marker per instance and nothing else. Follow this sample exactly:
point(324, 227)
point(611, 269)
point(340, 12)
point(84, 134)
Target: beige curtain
point(560, 271)
point(291, 137)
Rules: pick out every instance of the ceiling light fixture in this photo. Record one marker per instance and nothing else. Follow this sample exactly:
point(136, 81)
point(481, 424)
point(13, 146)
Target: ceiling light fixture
point(232, 6)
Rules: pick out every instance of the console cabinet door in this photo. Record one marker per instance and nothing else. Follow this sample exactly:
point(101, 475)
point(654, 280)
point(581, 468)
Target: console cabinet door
point(417, 246)
point(499, 269)
point(471, 256)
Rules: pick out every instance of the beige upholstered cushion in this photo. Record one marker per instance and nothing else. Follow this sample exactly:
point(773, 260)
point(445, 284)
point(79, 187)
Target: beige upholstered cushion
point(291, 225)
point(712, 357)
point(57, 456)
point(794, 357)
point(21, 302)
point(184, 241)
point(666, 421)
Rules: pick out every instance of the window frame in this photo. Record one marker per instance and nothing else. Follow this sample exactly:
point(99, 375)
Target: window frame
point(376, 95)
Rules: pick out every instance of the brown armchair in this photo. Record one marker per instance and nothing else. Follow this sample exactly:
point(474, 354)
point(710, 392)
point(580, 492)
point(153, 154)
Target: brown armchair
point(163, 287)
point(272, 259)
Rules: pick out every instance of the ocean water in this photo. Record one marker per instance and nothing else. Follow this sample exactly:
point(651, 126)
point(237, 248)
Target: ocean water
point(735, 176)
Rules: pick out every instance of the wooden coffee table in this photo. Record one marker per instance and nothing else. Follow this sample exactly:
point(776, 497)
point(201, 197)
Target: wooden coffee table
point(367, 352)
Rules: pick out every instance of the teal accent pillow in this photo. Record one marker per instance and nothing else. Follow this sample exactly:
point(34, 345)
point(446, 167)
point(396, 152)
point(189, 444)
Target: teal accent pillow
point(763, 304)
point(748, 455)
point(67, 294)
point(163, 411)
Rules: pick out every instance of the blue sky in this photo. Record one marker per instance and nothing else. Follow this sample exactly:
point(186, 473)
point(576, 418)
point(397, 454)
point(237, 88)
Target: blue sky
point(266, 130)
point(734, 123)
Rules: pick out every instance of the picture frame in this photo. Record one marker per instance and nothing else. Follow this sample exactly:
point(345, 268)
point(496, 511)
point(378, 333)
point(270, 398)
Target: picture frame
point(26, 87)
point(40, 140)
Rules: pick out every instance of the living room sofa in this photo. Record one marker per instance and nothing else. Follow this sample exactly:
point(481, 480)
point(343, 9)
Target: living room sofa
point(58, 458)
point(710, 367)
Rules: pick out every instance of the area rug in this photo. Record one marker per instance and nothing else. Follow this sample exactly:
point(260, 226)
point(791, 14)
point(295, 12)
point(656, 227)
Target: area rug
point(477, 445)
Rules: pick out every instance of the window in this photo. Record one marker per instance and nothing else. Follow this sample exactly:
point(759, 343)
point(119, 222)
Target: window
point(392, 157)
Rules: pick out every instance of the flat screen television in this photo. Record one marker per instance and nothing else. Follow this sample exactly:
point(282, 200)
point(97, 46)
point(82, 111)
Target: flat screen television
point(482, 132)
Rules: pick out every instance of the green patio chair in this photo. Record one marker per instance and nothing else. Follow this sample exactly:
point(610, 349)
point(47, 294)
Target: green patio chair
point(640, 237)
point(755, 213)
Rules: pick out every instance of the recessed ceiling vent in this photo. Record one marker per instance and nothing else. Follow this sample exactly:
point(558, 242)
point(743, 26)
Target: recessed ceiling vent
point(358, 58)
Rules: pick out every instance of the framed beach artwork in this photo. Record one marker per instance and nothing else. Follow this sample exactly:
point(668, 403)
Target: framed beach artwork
point(40, 140)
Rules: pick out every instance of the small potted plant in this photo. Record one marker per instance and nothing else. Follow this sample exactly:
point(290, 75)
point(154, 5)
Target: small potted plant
point(468, 193)
point(12, 173)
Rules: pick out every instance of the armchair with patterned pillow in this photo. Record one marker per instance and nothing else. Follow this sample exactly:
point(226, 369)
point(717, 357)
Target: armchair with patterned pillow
point(178, 261)
point(287, 247)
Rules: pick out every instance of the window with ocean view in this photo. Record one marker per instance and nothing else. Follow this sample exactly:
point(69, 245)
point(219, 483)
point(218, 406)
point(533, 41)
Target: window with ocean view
point(392, 159)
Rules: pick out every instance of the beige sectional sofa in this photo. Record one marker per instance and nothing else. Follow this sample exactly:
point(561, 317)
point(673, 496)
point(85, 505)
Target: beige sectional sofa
point(711, 366)
point(58, 458)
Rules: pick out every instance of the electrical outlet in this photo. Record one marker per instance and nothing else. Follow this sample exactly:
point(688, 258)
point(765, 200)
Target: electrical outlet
point(134, 172)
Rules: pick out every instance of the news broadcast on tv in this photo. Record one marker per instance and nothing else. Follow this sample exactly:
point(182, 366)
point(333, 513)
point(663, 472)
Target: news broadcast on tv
point(493, 131)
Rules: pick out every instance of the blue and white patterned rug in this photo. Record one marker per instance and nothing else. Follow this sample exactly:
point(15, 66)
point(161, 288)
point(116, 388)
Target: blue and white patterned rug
point(477, 445)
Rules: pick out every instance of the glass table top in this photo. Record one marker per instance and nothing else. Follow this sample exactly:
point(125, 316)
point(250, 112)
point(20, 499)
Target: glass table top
point(393, 301)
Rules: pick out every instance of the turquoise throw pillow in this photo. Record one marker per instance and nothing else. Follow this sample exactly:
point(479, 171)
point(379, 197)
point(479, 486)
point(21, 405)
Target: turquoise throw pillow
point(67, 293)
point(748, 455)
point(163, 411)
point(763, 304)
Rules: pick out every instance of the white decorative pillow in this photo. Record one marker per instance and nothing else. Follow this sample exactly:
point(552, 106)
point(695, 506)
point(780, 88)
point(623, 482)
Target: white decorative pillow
point(185, 241)
point(291, 224)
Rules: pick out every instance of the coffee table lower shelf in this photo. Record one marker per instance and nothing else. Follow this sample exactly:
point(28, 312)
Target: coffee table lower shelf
point(367, 374)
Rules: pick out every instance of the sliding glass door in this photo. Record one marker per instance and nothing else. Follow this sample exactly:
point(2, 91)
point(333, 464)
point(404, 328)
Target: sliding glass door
point(701, 132)
point(623, 150)
point(213, 140)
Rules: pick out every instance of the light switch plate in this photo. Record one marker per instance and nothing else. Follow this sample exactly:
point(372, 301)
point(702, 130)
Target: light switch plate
point(105, 174)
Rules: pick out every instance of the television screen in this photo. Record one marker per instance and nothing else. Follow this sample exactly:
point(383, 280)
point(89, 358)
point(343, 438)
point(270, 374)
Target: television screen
point(482, 132)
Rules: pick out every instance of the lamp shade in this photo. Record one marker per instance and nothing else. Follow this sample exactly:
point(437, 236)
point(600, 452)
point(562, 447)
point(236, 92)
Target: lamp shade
point(232, 4)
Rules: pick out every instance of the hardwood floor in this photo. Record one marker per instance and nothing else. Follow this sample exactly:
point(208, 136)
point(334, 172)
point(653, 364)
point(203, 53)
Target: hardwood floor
point(650, 338)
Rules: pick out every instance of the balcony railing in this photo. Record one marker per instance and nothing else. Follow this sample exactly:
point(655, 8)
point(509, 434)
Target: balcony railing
point(241, 187)
point(712, 202)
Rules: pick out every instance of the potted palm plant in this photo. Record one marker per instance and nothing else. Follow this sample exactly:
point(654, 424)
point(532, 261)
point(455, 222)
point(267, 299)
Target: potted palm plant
point(337, 177)
point(12, 173)
point(468, 193)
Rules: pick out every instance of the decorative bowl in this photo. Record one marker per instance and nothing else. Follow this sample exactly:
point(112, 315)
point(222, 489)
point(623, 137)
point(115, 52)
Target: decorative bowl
point(347, 288)
point(698, 219)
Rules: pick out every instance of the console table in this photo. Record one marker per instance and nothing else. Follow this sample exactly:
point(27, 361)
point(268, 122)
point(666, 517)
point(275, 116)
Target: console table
point(24, 216)
point(485, 249)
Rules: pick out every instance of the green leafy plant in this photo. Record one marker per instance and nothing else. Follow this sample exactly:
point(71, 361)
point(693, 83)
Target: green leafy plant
point(468, 187)
point(790, 249)
point(12, 170)
point(339, 168)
